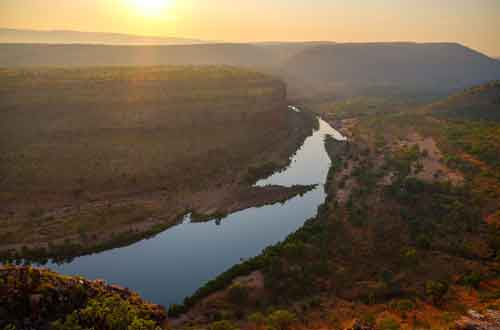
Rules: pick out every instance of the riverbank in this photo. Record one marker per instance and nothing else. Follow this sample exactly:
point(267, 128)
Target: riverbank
point(122, 168)
point(404, 240)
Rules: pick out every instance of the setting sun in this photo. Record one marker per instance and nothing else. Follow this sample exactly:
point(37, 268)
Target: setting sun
point(152, 7)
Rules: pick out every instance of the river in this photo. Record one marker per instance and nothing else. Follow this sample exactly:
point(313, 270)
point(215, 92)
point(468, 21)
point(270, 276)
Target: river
point(174, 264)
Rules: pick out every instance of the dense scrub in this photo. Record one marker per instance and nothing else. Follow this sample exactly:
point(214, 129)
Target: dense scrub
point(34, 298)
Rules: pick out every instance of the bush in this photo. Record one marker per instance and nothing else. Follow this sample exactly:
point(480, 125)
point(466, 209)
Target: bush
point(223, 325)
point(409, 257)
point(176, 310)
point(368, 320)
point(238, 294)
point(281, 320)
point(472, 280)
point(106, 313)
point(436, 290)
point(403, 305)
point(423, 241)
point(257, 319)
point(388, 324)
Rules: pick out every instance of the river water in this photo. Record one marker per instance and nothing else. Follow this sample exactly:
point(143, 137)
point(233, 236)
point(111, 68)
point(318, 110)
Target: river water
point(174, 264)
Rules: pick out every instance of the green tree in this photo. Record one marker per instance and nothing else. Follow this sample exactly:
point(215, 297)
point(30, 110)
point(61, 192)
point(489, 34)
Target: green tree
point(238, 294)
point(472, 280)
point(10, 327)
point(281, 320)
point(223, 325)
point(436, 290)
point(257, 319)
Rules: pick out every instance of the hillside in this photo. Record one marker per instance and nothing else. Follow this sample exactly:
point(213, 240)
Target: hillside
point(79, 37)
point(313, 70)
point(391, 68)
point(477, 103)
point(18, 55)
point(408, 237)
point(101, 157)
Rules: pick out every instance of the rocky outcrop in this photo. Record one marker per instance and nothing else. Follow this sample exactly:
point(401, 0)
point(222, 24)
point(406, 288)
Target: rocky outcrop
point(489, 320)
point(33, 297)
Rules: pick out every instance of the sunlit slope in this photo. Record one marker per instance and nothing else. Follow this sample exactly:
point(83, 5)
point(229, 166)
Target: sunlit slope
point(68, 132)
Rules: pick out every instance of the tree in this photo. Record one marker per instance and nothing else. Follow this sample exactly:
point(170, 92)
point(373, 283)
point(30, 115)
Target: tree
point(436, 290)
point(281, 320)
point(472, 280)
point(223, 325)
point(257, 319)
point(238, 294)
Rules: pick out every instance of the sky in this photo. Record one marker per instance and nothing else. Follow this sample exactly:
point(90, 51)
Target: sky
point(474, 23)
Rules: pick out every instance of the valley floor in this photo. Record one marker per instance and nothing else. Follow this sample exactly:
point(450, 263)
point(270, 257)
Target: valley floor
point(408, 238)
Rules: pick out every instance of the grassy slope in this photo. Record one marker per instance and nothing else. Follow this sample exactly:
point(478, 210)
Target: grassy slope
point(104, 149)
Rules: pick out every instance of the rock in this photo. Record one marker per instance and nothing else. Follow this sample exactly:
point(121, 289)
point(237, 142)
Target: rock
point(35, 306)
point(476, 321)
point(475, 315)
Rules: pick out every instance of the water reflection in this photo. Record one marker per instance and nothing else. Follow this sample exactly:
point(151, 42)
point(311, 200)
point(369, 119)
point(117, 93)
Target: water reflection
point(174, 264)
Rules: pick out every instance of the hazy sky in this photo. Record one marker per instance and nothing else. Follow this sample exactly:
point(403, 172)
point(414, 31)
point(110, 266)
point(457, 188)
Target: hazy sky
point(474, 23)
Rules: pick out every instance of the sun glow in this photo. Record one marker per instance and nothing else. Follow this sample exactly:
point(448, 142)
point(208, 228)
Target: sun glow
point(152, 7)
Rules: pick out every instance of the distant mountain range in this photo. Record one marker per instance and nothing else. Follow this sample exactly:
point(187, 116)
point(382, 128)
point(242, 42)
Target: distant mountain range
point(311, 69)
point(352, 67)
point(78, 37)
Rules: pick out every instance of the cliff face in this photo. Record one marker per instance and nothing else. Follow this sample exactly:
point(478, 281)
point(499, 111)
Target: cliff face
point(134, 147)
point(33, 298)
point(114, 130)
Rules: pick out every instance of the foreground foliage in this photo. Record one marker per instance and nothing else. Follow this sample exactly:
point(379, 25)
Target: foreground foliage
point(31, 297)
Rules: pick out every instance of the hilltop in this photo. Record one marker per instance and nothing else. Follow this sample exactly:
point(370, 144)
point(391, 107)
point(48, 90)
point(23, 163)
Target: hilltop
point(391, 68)
point(311, 69)
point(79, 37)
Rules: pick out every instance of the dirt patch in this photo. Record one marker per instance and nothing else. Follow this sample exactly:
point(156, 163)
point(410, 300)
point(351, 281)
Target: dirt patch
point(348, 183)
point(432, 163)
point(211, 204)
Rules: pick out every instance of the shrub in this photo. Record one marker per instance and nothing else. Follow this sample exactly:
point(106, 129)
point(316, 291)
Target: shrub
point(472, 280)
point(281, 320)
point(176, 310)
point(106, 313)
point(403, 305)
point(388, 324)
point(238, 294)
point(368, 320)
point(410, 257)
point(223, 325)
point(10, 327)
point(436, 290)
point(257, 319)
